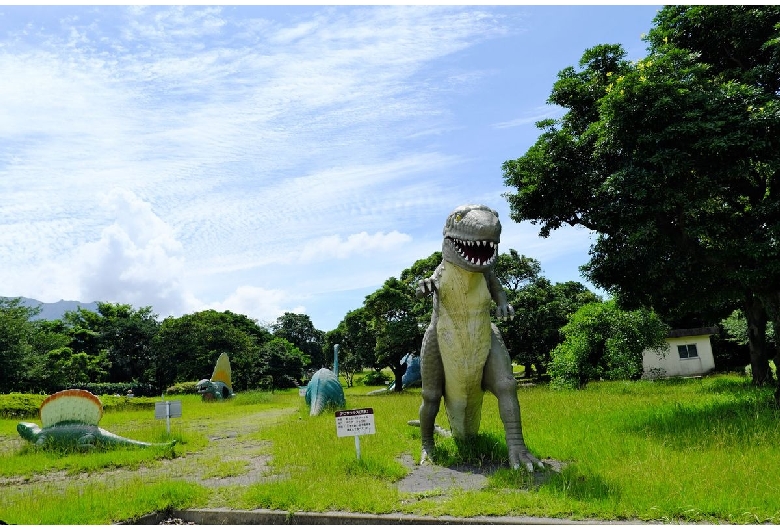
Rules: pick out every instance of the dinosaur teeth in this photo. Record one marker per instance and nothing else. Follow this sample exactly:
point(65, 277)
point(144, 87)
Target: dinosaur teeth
point(480, 253)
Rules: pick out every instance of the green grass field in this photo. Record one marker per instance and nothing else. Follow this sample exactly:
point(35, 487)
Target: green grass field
point(670, 451)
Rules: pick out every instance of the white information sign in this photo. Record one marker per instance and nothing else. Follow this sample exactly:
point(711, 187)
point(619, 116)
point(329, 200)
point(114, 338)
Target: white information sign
point(167, 409)
point(355, 422)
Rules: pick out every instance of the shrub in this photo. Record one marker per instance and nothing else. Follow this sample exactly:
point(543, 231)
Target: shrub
point(108, 389)
point(375, 378)
point(601, 341)
point(188, 387)
point(20, 405)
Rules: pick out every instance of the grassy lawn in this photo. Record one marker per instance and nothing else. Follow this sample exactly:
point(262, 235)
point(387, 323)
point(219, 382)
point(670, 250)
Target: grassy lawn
point(679, 450)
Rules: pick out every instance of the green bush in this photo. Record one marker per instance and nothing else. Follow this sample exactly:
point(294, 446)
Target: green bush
point(26, 406)
point(375, 378)
point(116, 403)
point(20, 405)
point(108, 389)
point(187, 387)
point(601, 341)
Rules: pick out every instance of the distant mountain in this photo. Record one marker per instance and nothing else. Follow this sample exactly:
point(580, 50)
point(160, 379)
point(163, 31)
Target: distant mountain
point(55, 310)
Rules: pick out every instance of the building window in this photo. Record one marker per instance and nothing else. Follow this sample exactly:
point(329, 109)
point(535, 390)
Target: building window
point(687, 351)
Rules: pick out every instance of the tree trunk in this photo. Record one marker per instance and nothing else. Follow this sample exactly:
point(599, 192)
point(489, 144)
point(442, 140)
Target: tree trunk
point(398, 371)
point(756, 317)
point(772, 304)
point(528, 371)
point(399, 383)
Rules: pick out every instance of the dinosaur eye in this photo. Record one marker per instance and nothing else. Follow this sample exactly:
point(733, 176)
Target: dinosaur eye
point(458, 218)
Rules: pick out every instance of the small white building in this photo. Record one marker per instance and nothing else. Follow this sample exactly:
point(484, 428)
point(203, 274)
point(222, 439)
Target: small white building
point(689, 353)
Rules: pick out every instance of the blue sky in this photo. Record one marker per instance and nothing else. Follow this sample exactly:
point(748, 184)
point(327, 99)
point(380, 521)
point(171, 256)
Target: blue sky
point(265, 159)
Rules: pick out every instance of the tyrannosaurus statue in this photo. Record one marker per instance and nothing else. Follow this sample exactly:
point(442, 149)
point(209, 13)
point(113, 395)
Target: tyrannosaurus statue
point(463, 353)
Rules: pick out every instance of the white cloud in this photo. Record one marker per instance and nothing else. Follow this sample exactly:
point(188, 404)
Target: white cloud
point(137, 259)
point(334, 246)
point(263, 305)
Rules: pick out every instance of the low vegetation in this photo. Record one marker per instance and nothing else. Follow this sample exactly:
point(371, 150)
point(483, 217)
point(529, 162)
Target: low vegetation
point(695, 450)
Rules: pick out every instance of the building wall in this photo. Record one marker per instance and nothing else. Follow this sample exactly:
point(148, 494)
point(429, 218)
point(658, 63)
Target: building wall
point(672, 365)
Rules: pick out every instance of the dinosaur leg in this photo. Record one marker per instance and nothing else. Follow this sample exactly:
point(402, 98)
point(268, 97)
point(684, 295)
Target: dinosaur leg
point(432, 373)
point(86, 442)
point(498, 379)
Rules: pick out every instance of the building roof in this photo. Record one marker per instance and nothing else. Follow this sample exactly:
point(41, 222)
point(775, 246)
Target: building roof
point(693, 332)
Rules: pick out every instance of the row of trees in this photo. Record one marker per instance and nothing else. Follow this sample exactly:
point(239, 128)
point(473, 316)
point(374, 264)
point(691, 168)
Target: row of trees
point(545, 336)
point(673, 161)
point(120, 344)
point(561, 331)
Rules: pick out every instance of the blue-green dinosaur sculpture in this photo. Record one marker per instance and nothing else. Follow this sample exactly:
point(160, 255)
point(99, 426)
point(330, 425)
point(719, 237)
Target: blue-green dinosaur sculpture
point(70, 419)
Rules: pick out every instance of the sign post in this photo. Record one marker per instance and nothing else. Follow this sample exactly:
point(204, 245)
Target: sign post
point(354, 423)
point(167, 410)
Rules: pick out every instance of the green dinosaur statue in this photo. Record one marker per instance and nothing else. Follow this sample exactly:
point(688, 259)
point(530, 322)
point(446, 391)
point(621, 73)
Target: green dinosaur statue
point(220, 385)
point(70, 419)
point(78, 435)
point(463, 354)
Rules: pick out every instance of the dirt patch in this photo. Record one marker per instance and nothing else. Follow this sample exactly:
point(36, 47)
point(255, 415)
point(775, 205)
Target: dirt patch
point(431, 478)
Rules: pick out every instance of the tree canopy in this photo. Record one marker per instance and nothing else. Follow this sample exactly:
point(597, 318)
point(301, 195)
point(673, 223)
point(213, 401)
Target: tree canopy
point(673, 161)
point(299, 330)
point(603, 342)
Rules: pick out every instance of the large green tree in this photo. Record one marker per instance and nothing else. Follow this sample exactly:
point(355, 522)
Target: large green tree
point(673, 161)
point(541, 310)
point(126, 335)
point(187, 348)
point(281, 363)
point(37, 355)
point(601, 341)
point(357, 342)
point(300, 331)
point(516, 271)
point(16, 335)
point(49, 368)
point(395, 321)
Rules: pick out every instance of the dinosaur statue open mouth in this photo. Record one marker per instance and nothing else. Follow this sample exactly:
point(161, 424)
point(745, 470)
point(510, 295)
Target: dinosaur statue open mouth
point(475, 252)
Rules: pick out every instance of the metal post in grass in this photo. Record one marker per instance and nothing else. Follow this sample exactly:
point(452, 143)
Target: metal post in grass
point(354, 423)
point(167, 410)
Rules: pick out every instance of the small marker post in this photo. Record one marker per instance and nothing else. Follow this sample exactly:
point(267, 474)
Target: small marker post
point(354, 423)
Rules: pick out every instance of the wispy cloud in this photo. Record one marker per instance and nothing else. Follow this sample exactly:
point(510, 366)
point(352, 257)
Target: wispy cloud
point(141, 147)
point(335, 246)
point(265, 305)
point(532, 117)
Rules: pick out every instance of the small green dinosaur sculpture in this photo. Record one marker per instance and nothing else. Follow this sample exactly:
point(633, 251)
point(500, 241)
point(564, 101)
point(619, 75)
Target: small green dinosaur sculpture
point(463, 354)
point(220, 385)
point(78, 435)
point(70, 419)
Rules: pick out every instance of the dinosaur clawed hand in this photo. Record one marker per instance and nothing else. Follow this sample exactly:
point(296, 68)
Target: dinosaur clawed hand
point(425, 287)
point(504, 311)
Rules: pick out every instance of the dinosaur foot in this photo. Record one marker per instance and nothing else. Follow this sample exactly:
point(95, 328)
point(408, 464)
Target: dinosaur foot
point(425, 456)
point(521, 457)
